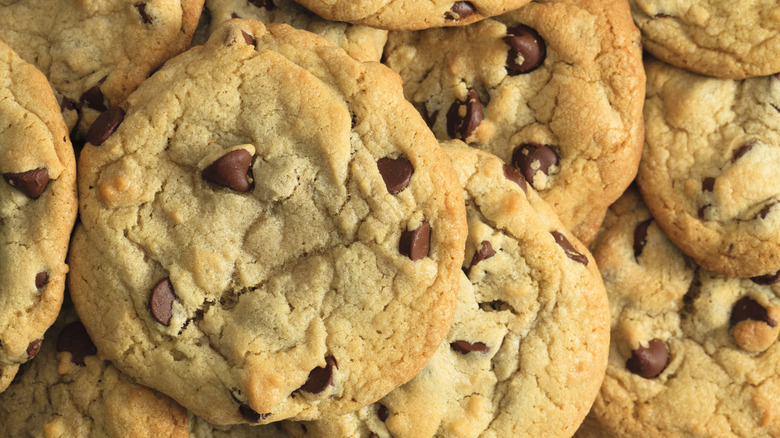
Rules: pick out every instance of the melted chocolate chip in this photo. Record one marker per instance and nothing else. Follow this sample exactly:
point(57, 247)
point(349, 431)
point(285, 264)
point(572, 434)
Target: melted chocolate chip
point(93, 97)
point(268, 4)
point(640, 237)
point(415, 244)
point(485, 251)
point(320, 377)
point(464, 347)
point(571, 253)
point(75, 340)
point(463, 125)
point(514, 175)
point(231, 170)
point(382, 412)
point(530, 158)
point(248, 39)
point(105, 125)
point(765, 211)
point(649, 362)
point(32, 182)
point(142, 11)
point(41, 279)
point(524, 42)
point(396, 172)
point(766, 280)
point(747, 308)
point(743, 150)
point(161, 301)
point(708, 184)
point(33, 348)
point(460, 10)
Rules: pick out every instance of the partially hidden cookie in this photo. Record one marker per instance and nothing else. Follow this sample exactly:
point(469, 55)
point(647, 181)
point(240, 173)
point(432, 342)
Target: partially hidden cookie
point(268, 230)
point(722, 38)
point(200, 428)
point(361, 42)
point(69, 391)
point(555, 88)
point(693, 353)
point(709, 171)
point(528, 346)
point(37, 210)
point(410, 14)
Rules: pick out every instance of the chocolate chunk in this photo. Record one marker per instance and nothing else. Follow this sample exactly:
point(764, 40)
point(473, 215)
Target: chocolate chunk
point(460, 10)
point(75, 340)
point(93, 97)
point(382, 412)
point(649, 362)
point(485, 251)
point(161, 301)
point(33, 348)
point(530, 158)
point(514, 175)
point(766, 280)
point(748, 308)
point(708, 184)
point(743, 150)
point(142, 10)
point(571, 253)
point(463, 125)
point(32, 182)
point(765, 211)
point(526, 43)
point(397, 172)
point(640, 237)
point(248, 39)
point(105, 125)
point(268, 4)
point(320, 377)
point(231, 170)
point(415, 244)
point(41, 279)
point(464, 347)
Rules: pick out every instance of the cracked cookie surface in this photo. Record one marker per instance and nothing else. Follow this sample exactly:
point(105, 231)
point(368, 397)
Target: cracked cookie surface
point(37, 209)
point(555, 88)
point(268, 230)
point(693, 353)
point(710, 164)
point(528, 345)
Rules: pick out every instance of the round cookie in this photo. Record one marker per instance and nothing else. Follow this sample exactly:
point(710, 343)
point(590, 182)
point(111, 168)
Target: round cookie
point(728, 39)
point(410, 14)
point(69, 391)
point(709, 171)
point(693, 353)
point(37, 210)
point(361, 42)
point(529, 342)
point(281, 239)
point(555, 88)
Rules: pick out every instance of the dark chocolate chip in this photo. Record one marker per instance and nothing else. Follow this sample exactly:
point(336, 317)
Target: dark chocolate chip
point(430, 118)
point(464, 347)
point(33, 348)
point(268, 4)
point(460, 10)
point(234, 15)
point(320, 377)
point(485, 251)
point(142, 10)
point(161, 301)
point(640, 237)
point(708, 184)
point(747, 308)
point(382, 412)
point(765, 211)
point(397, 172)
point(32, 182)
point(415, 244)
point(75, 340)
point(703, 211)
point(248, 39)
point(105, 125)
point(66, 104)
point(463, 125)
point(743, 150)
point(524, 42)
point(514, 175)
point(530, 158)
point(766, 280)
point(93, 97)
point(231, 170)
point(649, 362)
point(250, 414)
point(571, 253)
point(41, 279)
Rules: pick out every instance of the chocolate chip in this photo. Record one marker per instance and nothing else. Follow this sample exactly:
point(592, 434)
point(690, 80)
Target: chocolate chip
point(708, 184)
point(161, 301)
point(765, 211)
point(747, 308)
point(41, 279)
point(75, 340)
point(526, 43)
point(382, 412)
point(743, 150)
point(33, 348)
point(464, 347)
point(32, 182)
point(397, 172)
point(485, 251)
point(430, 119)
point(463, 125)
point(460, 10)
point(373, 435)
point(514, 175)
point(105, 125)
point(640, 237)
point(268, 4)
point(142, 10)
point(248, 39)
point(250, 414)
point(231, 170)
point(320, 377)
point(530, 158)
point(766, 280)
point(93, 97)
point(703, 211)
point(415, 244)
point(234, 15)
point(571, 253)
point(648, 362)
point(66, 104)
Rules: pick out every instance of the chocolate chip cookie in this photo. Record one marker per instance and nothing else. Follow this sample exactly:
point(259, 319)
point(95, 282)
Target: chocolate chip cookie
point(710, 167)
point(268, 230)
point(722, 38)
point(528, 346)
point(199, 428)
point(555, 88)
point(693, 353)
point(37, 210)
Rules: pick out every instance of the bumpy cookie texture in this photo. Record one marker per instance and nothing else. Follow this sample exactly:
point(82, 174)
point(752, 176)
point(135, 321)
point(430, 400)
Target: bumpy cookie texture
point(410, 14)
point(199, 428)
point(710, 167)
point(555, 88)
point(731, 39)
point(242, 248)
point(693, 353)
point(95, 53)
point(37, 210)
point(529, 342)
point(362, 42)
point(68, 391)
